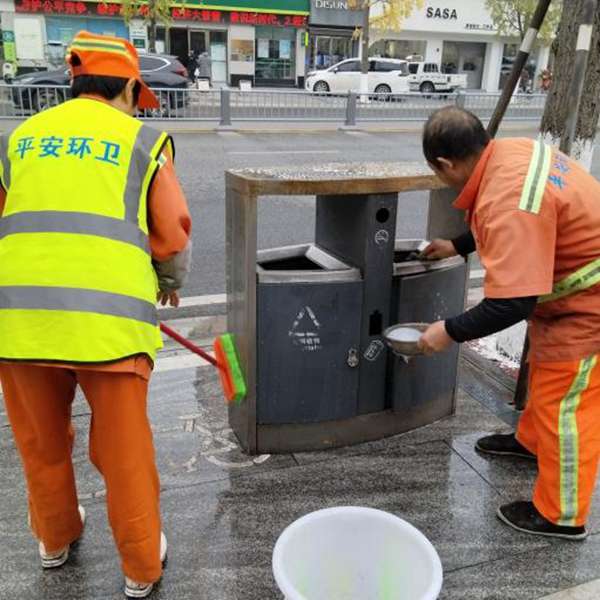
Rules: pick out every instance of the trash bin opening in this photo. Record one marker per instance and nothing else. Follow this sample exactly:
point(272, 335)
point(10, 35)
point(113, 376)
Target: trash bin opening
point(291, 263)
point(401, 256)
point(375, 323)
point(382, 216)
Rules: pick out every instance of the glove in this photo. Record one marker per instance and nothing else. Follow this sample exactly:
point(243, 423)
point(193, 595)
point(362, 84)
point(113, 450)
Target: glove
point(173, 273)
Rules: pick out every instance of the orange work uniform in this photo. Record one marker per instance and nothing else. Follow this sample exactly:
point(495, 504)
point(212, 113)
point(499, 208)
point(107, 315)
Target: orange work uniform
point(38, 399)
point(535, 217)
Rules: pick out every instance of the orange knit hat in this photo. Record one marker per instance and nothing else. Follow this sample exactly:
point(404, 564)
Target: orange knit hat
point(111, 57)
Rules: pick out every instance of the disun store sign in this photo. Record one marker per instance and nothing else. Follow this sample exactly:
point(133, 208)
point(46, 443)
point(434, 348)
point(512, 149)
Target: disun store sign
point(332, 4)
point(334, 13)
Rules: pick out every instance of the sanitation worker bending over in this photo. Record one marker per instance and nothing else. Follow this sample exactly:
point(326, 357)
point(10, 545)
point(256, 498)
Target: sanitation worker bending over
point(90, 199)
point(535, 221)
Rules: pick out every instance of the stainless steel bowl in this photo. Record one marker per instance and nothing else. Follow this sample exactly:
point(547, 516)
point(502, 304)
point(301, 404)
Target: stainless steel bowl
point(404, 348)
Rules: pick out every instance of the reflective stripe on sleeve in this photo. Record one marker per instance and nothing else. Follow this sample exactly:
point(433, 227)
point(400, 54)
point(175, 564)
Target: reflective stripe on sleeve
point(141, 159)
point(537, 177)
point(77, 300)
point(74, 222)
point(569, 443)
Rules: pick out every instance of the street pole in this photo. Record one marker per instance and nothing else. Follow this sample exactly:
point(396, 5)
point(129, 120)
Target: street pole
point(513, 79)
point(509, 87)
point(584, 40)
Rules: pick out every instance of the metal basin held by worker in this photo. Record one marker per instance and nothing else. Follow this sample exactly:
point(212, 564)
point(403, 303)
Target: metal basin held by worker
point(353, 553)
point(403, 338)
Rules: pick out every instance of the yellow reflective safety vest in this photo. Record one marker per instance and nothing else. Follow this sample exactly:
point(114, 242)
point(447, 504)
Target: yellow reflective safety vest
point(76, 276)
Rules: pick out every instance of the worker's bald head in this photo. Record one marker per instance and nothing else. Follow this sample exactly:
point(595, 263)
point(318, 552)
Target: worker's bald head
point(453, 139)
point(453, 133)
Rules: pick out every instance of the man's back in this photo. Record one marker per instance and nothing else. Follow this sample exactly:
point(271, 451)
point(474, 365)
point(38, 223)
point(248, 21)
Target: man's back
point(82, 141)
point(543, 209)
point(75, 250)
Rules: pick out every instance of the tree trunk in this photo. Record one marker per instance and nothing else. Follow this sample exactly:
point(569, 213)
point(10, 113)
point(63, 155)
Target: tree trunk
point(557, 106)
point(364, 64)
point(152, 36)
point(152, 10)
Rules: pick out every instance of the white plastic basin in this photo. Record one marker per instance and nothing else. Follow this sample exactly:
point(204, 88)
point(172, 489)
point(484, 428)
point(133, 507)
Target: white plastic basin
point(352, 553)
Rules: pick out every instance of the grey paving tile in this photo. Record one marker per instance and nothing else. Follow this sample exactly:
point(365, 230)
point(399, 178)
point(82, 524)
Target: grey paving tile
point(223, 519)
point(585, 591)
point(512, 478)
point(470, 416)
point(192, 439)
point(486, 390)
point(527, 576)
point(221, 527)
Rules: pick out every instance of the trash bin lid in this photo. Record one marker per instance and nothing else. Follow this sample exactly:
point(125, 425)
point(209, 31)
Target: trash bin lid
point(406, 262)
point(303, 263)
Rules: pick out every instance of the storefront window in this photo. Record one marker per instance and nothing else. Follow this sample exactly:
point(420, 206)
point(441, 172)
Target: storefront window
point(242, 50)
point(275, 54)
point(398, 48)
point(527, 80)
point(63, 29)
point(60, 32)
point(328, 50)
point(161, 43)
point(187, 44)
point(465, 58)
point(218, 55)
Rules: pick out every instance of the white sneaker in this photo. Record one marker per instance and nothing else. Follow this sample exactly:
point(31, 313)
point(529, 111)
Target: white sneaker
point(133, 589)
point(59, 558)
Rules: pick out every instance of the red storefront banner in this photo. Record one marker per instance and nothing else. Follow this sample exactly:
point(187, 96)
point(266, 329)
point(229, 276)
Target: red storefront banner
point(99, 9)
point(58, 7)
point(238, 17)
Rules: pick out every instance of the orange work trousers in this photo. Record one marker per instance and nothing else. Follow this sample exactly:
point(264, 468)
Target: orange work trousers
point(38, 403)
point(561, 426)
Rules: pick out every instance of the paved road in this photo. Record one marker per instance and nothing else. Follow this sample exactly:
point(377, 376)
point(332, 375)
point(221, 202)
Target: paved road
point(203, 158)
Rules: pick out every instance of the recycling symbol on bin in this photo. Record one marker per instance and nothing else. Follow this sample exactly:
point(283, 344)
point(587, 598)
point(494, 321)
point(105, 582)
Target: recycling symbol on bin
point(305, 330)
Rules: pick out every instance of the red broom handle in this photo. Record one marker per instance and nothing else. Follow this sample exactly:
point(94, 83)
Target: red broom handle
point(187, 344)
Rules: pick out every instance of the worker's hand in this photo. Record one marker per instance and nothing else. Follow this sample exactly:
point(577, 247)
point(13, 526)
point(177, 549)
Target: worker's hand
point(171, 298)
point(440, 249)
point(435, 339)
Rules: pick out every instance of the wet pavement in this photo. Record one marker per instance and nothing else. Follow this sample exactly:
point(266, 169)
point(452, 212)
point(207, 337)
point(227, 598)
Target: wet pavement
point(223, 510)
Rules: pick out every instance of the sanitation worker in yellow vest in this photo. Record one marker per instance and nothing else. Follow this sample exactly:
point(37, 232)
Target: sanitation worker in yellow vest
point(94, 226)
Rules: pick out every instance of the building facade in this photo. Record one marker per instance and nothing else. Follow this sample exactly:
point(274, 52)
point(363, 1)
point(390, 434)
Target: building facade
point(461, 38)
point(271, 42)
point(263, 41)
point(332, 33)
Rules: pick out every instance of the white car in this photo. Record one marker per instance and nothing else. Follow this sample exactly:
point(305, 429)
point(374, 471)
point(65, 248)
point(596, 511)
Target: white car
point(386, 76)
point(427, 78)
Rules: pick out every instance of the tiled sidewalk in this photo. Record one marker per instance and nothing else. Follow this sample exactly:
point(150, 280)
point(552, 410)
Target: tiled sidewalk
point(223, 511)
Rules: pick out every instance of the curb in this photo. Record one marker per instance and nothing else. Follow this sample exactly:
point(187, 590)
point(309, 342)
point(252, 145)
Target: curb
point(196, 328)
point(198, 318)
point(193, 310)
point(320, 128)
point(331, 127)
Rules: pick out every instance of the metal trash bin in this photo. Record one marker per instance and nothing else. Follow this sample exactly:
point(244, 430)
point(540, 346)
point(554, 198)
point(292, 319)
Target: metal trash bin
point(309, 307)
point(425, 291)
point(299, 398)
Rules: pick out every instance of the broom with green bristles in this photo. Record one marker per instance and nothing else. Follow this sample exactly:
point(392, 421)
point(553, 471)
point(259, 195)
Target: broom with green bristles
point(226, 362)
